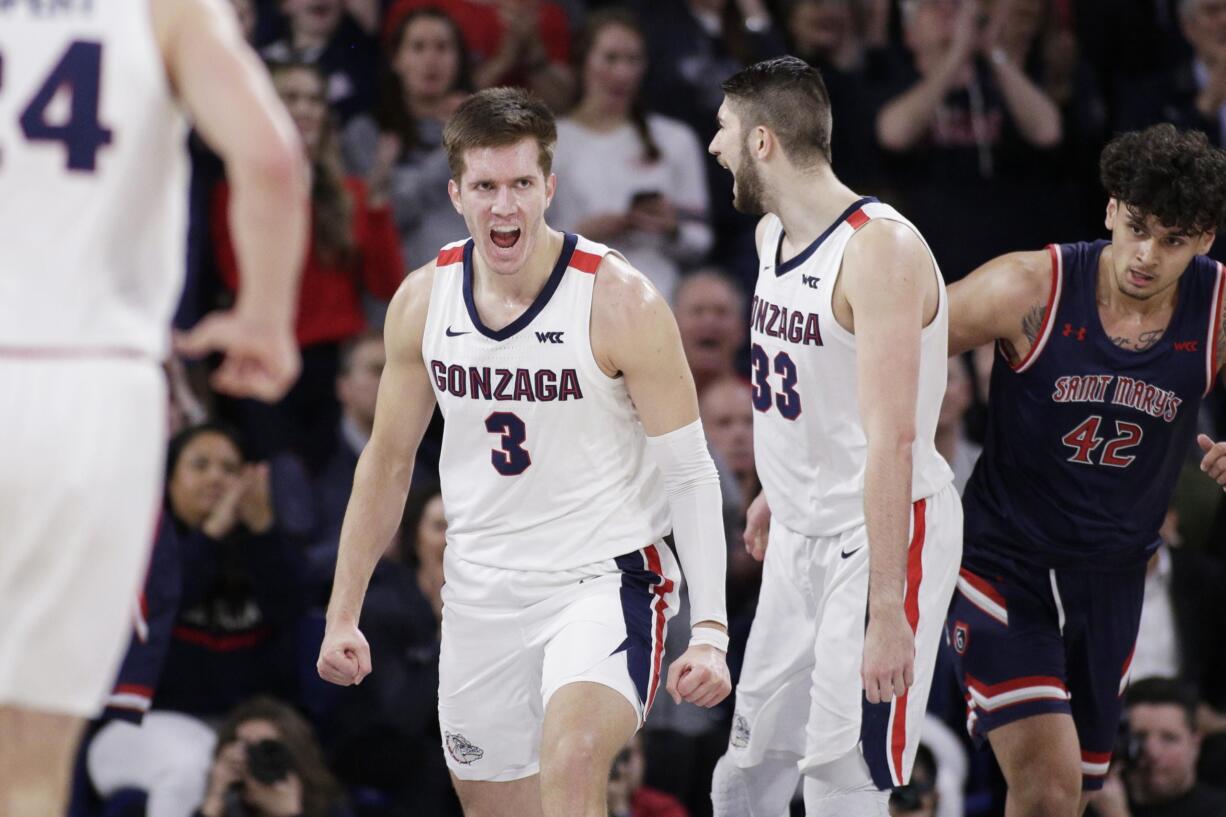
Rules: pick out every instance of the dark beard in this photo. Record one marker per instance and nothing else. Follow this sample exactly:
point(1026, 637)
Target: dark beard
point(749, 191)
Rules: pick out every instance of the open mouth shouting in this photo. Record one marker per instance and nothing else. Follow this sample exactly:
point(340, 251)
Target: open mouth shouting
point(504, 237)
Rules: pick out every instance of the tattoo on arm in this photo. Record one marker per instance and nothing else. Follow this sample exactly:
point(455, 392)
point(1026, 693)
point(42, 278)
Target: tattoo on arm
point(1141, 342)
point(1032, 323)
point(1221, 340)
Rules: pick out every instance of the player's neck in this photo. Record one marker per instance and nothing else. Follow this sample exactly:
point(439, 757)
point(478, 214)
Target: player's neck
point(808, 203)
point(523, 285)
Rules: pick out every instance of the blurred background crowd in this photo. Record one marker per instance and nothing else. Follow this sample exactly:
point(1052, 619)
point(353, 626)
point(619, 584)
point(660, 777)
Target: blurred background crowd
point(981, 120)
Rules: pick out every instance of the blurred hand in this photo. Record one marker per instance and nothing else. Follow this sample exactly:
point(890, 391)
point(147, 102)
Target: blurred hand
point(255, 503)
point(968, 34)
point(344, 656)
point(379, 179)
point(700, 676)
point(261, 360)
point(224, 516)
point(888, 667)
point(1112, 799)
point(1214, 461)
point(604, 226)
point(229, 768)
point(654, 215)
point(280, 799)
point(757, 527)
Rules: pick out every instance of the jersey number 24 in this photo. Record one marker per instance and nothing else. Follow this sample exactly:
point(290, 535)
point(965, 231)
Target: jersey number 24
point(77, 74)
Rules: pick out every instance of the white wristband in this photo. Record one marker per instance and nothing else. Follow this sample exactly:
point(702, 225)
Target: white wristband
point(709, 636)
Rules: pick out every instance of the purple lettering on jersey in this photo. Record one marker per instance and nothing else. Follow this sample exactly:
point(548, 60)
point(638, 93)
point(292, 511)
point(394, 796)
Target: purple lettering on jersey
point(1090, 388)
point(792, 325)
point(456, 381)
point(523, 386)
point(479, 382)
point(512, 385)
point(504, 380)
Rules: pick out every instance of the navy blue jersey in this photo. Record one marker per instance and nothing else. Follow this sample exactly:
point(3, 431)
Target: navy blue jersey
point(1086, 440)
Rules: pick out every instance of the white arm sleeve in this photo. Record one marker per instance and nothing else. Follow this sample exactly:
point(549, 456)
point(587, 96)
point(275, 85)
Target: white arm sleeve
point(694, 499)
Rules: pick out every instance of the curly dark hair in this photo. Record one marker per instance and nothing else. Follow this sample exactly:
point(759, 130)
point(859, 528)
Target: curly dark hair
point(1177, 177)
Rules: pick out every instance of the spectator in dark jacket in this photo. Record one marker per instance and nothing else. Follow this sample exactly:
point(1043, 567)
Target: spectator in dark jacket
point(135, 748)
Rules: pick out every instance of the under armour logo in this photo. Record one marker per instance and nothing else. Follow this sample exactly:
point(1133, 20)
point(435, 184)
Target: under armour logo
point(1185, 346)
point(549, 337)
point(1079, 332)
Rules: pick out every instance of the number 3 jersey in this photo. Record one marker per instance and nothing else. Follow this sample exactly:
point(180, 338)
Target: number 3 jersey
point(544, 463)
point(93, 179)
point(809, 444)
point(1086, 440)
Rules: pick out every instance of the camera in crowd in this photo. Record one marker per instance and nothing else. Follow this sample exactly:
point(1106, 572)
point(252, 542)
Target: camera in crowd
point(269, 761)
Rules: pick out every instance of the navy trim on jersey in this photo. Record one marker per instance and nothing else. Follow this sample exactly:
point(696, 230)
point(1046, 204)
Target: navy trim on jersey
point(636, 599)
point(784, 267)
point(569, 240)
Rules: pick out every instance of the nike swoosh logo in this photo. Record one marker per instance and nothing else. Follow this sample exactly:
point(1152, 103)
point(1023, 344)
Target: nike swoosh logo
point(845, 554)
point(452, 334)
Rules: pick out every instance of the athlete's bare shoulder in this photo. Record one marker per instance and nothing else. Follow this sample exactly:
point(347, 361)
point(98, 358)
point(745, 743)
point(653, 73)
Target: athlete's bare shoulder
point(1006, 299)
point(627, 310)
point(406, 313)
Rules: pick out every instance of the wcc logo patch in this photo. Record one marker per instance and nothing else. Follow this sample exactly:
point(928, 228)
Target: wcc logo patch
point(461, 750)
point(962, 637)
point(740, 732)
point(549, 337)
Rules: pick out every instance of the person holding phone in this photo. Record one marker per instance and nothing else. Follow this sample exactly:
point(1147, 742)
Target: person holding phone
point(634, 182)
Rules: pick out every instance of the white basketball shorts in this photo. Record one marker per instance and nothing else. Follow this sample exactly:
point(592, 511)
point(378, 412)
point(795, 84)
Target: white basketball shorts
point(512, 638)
point(80, 486)
point(802, 698)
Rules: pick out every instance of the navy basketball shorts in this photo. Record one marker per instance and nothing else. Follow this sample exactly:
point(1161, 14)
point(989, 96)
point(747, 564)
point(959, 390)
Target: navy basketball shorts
point(512, 638)
point(1030, 641)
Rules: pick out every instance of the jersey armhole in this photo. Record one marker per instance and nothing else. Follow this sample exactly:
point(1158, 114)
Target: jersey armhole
point(1215, 329)
point(1049, 319)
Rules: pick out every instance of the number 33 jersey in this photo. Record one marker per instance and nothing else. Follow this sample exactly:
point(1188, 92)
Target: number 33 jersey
point(544, 463)
point(93, 179)
point(809, 444)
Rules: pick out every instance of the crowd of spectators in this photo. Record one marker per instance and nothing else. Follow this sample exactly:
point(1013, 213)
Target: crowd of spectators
point(979, 119)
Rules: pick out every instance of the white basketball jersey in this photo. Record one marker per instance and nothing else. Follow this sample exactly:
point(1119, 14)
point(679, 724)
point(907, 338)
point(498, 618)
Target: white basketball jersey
point(544, 463)
point(809, 445)
point(93, 179)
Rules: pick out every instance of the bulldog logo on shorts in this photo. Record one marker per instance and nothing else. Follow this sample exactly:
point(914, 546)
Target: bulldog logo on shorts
point(740, 732)
point(962, 637)
point(461, 750)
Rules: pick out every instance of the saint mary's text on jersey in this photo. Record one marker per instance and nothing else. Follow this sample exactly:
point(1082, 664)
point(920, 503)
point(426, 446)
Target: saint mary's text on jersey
point(486, 383)
point(1092, 388)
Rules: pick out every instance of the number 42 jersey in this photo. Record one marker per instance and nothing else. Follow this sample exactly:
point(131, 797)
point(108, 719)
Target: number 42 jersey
point(544, 463)
point(93, 179)
point(809, 445)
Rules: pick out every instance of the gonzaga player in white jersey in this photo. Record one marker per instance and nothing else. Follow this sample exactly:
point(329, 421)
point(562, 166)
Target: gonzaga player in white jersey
point(94, 98)
point(848, 328)
point(571, 446)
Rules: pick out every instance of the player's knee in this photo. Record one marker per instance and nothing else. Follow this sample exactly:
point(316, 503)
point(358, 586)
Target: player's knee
point(1053, 790)
point(575, 759)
